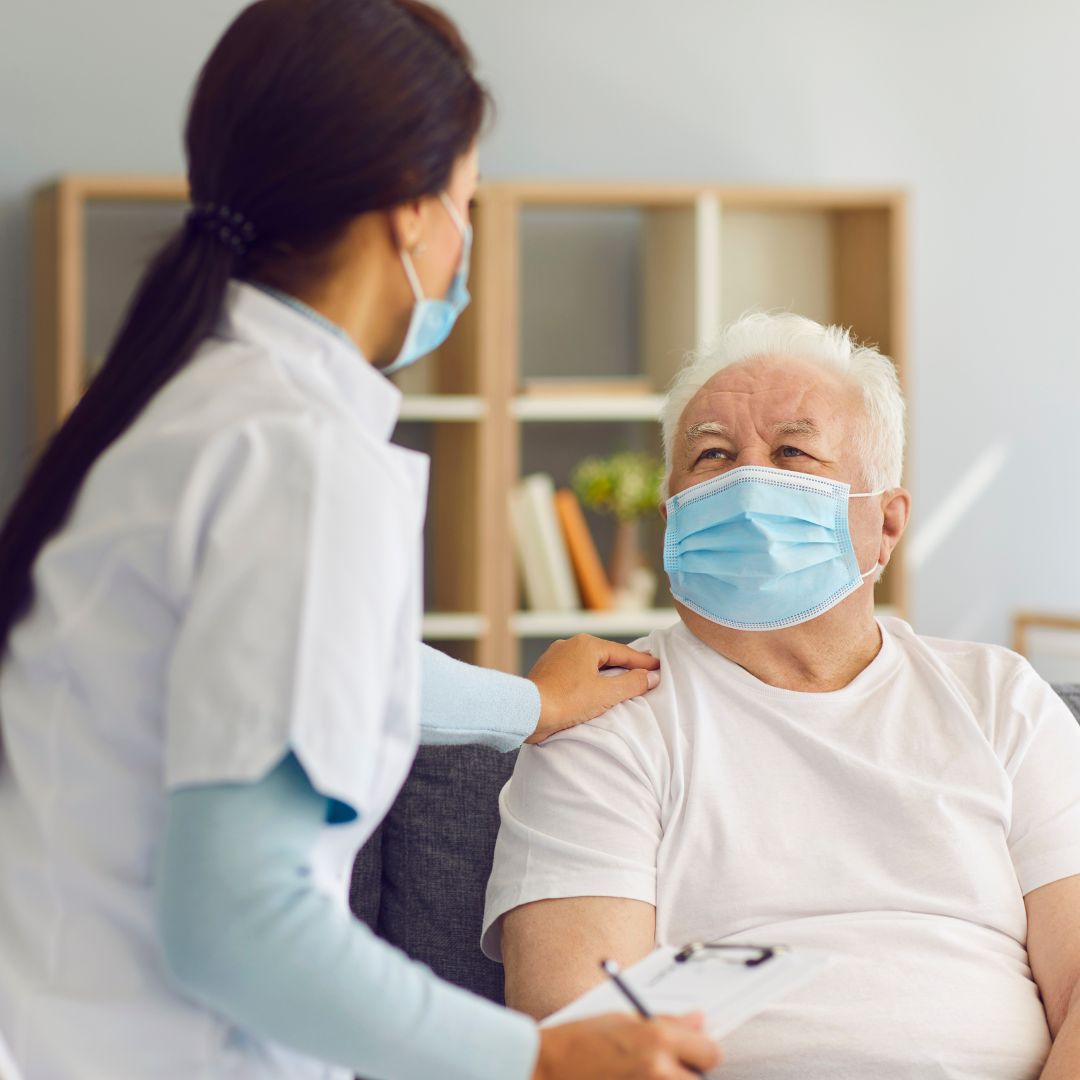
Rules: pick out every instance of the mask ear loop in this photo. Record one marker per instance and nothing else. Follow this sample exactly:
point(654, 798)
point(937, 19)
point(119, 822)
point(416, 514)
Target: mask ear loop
point(410, 273)
point(455, 216)
point(406, 258)
point(868, 495)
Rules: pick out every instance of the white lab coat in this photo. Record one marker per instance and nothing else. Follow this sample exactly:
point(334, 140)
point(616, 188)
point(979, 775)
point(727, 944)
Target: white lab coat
point(240, 576)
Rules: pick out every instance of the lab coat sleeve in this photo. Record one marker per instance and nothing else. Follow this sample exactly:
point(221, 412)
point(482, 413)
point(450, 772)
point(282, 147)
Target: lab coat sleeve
point(245, 931)
point(461, 703)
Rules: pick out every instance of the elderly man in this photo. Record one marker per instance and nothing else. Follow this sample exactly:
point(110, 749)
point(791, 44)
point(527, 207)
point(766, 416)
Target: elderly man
point(806, 773)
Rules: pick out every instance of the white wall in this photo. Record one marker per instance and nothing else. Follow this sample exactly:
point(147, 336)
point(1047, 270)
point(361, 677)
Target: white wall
point(972, 106)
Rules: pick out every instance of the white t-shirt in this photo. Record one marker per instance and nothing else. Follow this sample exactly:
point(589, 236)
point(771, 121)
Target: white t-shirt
point(895, 824)
point(240, 576)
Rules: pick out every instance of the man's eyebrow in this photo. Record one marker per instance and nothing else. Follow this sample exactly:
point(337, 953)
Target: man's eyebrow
point(706, 427)
point(805, 427)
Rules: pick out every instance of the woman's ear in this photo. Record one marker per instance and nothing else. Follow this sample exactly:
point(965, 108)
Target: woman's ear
point(406, 225)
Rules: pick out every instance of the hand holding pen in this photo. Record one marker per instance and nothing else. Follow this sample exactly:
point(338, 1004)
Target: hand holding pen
point(694, 1020)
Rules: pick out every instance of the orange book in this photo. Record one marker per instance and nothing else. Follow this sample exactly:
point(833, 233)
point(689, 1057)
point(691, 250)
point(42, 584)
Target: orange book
point(591, 577)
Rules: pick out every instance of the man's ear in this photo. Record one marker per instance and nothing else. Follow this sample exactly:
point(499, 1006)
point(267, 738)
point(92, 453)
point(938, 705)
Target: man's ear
point(895, 510)
point(663, 510)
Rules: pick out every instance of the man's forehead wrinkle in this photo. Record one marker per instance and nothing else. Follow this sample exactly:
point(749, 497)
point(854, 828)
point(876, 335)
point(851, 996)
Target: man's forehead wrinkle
point(808, 402)
point(806, 411)
point(760, 375)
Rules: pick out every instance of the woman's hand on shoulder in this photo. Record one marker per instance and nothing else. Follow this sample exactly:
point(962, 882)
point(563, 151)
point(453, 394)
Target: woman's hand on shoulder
point(573, 684)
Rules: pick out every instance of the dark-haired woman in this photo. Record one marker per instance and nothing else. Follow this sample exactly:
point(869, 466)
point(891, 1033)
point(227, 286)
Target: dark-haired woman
point(210, 602)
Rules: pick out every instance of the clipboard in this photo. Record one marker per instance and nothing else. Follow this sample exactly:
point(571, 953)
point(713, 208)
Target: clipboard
point(728, 983)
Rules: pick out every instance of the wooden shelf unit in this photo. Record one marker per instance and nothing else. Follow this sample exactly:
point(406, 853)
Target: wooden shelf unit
point(700, 254)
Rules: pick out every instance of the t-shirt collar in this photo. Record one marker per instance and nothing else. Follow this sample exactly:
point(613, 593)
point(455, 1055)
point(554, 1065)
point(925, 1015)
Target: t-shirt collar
point(880, 668)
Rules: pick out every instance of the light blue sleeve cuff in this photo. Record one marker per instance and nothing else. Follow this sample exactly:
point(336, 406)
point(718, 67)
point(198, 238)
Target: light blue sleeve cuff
point(245, 932)
point(461, 703)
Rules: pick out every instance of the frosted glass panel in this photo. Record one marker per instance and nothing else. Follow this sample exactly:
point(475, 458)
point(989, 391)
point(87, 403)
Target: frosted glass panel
point(581, 292)
point(121, 239)
point(776, 260)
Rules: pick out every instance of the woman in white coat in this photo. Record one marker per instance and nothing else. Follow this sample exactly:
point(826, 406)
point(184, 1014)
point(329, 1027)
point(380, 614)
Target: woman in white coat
point(210, 602)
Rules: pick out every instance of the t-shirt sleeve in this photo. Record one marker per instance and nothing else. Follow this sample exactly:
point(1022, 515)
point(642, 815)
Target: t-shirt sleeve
point(1044, 834)
point(581, 816)
point(286, 640)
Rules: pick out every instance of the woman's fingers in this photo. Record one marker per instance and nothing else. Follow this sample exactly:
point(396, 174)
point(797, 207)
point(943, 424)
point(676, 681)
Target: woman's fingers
point(572, 688)
point(620, 1047)
point(612, 654)
point(632, 684)
point(688, 1044)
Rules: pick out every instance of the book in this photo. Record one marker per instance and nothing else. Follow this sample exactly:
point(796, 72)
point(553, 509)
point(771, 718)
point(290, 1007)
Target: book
point(592, 579)
point(542, 553)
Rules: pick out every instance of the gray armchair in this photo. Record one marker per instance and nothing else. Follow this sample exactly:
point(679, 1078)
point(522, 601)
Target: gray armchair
point(420, 880)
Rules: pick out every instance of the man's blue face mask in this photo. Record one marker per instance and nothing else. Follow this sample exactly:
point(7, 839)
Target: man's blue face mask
point(762, 549)
point(433, 319)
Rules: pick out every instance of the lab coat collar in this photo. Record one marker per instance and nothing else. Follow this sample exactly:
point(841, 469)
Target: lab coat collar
point(315, 355)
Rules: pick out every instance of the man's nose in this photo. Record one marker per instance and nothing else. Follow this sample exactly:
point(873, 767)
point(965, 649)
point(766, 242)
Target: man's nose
point(755, 455)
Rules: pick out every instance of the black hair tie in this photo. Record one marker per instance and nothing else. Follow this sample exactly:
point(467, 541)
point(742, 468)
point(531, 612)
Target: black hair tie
point(228, 226)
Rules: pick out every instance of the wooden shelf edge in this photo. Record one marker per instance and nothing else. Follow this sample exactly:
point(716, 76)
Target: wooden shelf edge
point(169, 187)
point(107, 187)
point(453, 626)
point(554, 408)
point(444, 407)
point(646, 193)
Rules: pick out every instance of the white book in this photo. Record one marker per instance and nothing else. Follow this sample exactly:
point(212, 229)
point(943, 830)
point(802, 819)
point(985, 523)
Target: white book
point(542, 555)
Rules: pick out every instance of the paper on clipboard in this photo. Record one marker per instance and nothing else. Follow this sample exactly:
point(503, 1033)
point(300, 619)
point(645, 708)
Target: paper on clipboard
point(727, 992)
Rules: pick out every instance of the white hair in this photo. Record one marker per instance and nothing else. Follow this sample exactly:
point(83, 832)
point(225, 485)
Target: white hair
point(879, 440)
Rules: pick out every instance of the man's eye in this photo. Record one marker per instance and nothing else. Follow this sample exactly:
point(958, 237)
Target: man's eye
point(713, 453)
point(791, 451)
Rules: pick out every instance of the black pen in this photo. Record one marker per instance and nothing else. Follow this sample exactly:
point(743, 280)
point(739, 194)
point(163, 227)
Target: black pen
point(611, 970)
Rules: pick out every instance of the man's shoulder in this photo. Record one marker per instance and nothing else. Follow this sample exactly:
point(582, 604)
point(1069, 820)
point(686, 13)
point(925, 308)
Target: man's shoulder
point(995, 681)
point(977, 661)
point(641, 728)
point(658, 708)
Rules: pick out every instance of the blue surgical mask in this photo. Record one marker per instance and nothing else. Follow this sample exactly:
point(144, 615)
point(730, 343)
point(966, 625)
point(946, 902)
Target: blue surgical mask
point(432, 319)
point(762, 549)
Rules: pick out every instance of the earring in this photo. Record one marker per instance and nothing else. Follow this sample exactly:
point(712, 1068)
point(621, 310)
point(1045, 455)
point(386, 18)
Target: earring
point(419, 249)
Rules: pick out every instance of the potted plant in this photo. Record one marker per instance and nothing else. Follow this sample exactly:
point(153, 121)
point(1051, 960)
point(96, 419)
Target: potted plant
point(625, 485)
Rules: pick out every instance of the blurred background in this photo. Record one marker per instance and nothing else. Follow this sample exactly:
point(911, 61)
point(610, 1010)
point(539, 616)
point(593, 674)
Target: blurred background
point(968, 107)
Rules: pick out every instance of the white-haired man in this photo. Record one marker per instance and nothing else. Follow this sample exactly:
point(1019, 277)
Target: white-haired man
point(805, 773)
